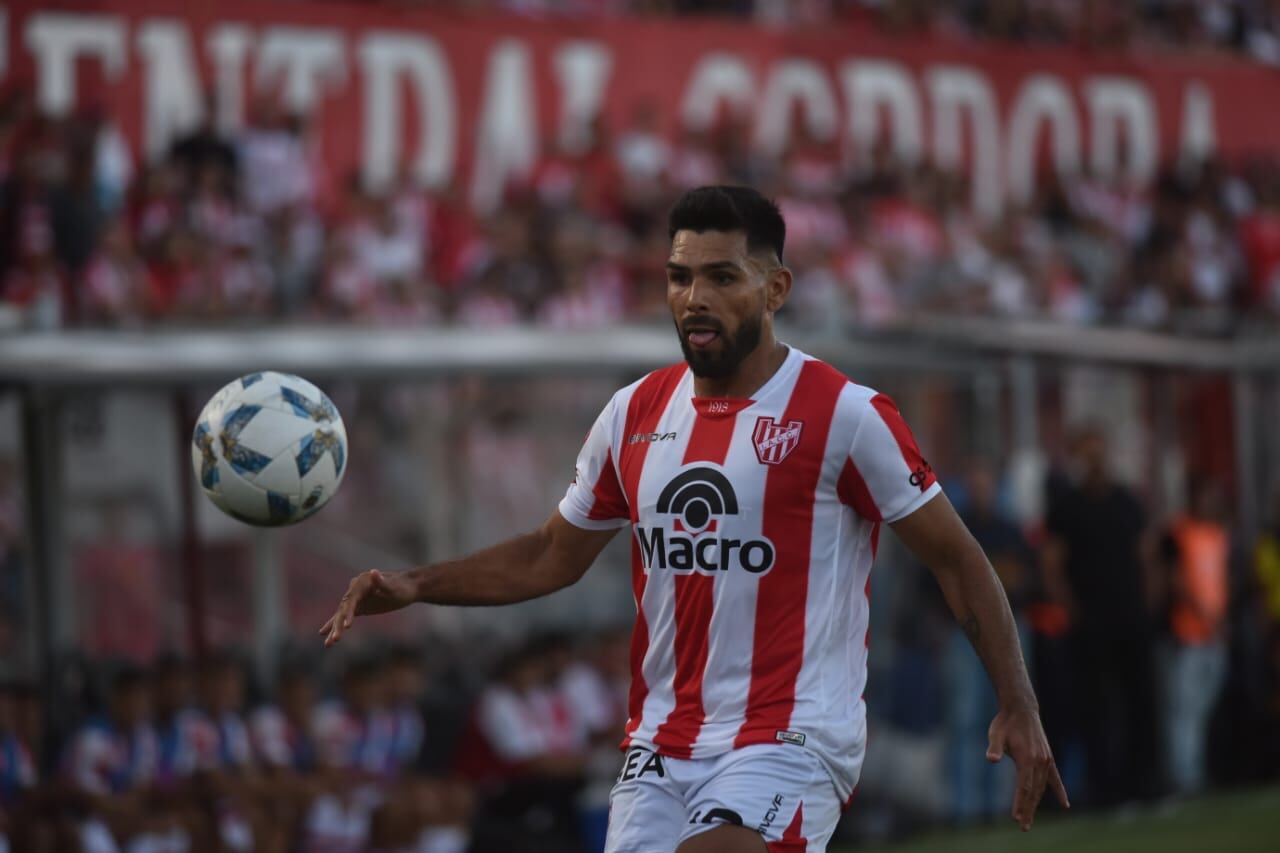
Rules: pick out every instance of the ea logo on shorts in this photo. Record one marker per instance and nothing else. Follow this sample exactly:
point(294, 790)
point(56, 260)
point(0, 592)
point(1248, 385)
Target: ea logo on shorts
point(697, 499)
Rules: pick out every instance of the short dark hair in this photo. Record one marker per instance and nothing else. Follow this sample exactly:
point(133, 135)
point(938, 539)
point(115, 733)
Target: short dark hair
point(727, 208)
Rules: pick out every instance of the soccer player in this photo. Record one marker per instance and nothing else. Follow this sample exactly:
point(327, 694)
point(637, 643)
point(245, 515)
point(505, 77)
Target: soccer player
point(756, 480)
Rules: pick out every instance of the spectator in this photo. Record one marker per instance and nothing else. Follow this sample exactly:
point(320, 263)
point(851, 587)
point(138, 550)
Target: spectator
point(241, 284)
point(1260, 239)
point(275, 168)
point(594, 684)
point(211, 213)
point(516, 278)
point(642, 152)
point(116, 282)
point(525, 753)
point(74, 208)
point(221, 686)
point(280, 733)
point(204, 152)
point(112, 761)
point(283, 746)
point(389, 243)
point(1195, 553)
point(433, 814)
point(242, 813)
point(37, 287)
point(592, 290)
point(406, 684)
point(181, 278)
point(1098, 558)
point(187, 742)
point(355, 733)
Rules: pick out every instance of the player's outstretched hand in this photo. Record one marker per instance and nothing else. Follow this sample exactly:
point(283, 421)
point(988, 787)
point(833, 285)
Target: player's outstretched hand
point(1019, 733)
point(369, 592)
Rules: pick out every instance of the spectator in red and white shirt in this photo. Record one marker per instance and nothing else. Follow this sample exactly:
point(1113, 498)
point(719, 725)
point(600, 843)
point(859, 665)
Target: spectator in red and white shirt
point(37, 286)
point(116, 281)
point(275, 165)
point(592, 288)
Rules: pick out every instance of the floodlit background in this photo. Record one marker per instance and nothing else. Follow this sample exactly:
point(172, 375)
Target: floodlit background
point(1050, 230)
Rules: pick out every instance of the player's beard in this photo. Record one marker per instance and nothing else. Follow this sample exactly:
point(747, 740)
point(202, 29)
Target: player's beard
point(721, 364)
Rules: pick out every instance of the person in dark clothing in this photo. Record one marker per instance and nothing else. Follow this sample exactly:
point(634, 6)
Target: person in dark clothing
point(203, 149)
point(76, 215)
point(1096, 559)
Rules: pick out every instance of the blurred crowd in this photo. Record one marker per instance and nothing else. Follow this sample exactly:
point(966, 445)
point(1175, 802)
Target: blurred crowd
point(253, 229)
point(1153, 640)
point(1247, 27)
point(469, 752)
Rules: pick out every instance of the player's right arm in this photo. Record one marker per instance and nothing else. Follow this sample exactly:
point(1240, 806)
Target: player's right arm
point(534, 564)
point(552, 557)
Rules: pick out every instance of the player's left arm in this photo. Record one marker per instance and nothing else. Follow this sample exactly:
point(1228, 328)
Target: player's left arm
point(935, 534)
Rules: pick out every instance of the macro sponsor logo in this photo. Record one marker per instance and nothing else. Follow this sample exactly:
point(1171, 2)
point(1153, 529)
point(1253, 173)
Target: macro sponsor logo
point(698, 499)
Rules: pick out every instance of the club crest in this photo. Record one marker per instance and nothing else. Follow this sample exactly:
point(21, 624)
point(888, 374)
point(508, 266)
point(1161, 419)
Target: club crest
point(774, 441)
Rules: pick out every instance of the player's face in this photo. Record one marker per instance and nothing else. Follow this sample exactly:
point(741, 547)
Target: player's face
point(720, 298)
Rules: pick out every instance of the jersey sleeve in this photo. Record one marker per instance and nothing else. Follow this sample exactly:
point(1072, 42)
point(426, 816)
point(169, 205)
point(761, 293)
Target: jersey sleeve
point(595, 500)
point(885, 477)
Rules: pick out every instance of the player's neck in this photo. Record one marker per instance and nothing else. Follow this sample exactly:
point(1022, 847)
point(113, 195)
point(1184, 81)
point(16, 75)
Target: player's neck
point(756, 369)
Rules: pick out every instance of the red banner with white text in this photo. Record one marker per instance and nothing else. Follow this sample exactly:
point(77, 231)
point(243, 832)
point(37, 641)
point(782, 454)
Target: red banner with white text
point(478, 99)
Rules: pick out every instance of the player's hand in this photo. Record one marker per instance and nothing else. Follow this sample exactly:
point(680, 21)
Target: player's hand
point(1019, 733)
point(368, 593)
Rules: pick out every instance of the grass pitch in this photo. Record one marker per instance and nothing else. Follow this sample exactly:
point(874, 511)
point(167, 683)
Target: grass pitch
point(1239, 822)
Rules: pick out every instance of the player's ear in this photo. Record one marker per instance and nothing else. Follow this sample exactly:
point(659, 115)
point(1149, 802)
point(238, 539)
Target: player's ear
point(777, 289)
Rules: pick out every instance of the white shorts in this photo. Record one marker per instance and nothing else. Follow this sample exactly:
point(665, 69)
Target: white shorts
point(783, 792)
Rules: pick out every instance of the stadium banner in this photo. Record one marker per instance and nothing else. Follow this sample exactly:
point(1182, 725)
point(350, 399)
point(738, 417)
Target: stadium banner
point(474, 100)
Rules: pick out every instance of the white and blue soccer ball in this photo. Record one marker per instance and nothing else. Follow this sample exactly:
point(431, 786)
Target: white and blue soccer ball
point(269, 449)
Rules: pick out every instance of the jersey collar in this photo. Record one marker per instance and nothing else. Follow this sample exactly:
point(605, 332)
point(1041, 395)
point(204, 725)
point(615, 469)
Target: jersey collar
point(726, 407)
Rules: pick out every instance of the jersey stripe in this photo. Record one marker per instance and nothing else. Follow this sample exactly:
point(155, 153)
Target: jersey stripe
point(906, 442)
point(609, 502)
point(789, 495)
point(645, 408)
point(709, 442)
point(853, 491)
point(648, 402)
point(639, 646)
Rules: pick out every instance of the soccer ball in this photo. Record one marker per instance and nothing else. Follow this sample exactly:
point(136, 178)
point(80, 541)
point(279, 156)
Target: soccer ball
point(269, 449)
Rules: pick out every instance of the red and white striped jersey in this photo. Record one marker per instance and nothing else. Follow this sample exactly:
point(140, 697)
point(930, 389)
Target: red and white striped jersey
point(755, 522)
